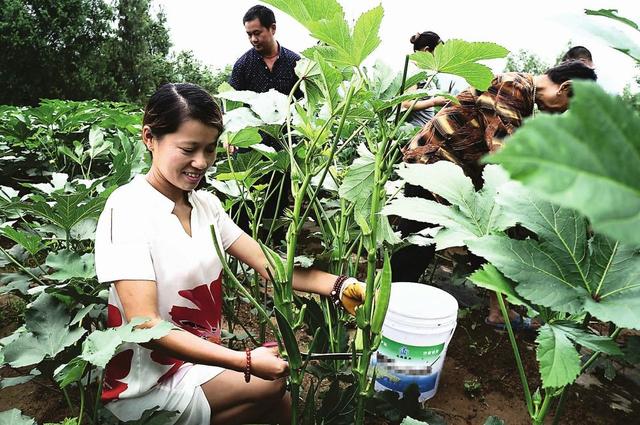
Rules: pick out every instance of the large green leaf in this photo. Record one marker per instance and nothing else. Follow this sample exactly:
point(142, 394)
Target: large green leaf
point(49, 333)
point(558, 358)
point(358, 182)
point(15, 417)
point(70, 264)
point(305, 11)
point(326, 22)
point(472, 213)
point(612, 14)
point(617, 39)
point(460, 58)
point(68, 209)
point(32, 242)
point(242, 139)
point(593, 342)
point(587, 159)
point(365, 34)
point(100, 346)
point(564, 269)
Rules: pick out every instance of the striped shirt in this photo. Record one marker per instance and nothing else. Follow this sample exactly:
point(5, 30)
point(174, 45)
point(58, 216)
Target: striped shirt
point(464, 133)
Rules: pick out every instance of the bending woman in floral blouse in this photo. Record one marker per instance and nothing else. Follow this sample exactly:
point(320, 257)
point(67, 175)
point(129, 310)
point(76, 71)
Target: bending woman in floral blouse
point(154, 243)
point(463, 133)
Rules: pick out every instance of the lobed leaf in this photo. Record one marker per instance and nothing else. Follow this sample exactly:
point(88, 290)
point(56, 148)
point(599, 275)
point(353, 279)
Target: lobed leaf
point(459, 57)
point(558, 358)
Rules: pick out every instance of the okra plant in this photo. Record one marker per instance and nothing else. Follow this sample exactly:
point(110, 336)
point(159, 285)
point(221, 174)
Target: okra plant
point(585, 161)
point(345, 106)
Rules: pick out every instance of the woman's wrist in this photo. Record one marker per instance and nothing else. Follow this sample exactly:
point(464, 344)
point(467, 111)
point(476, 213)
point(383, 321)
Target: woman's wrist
point(239, 361)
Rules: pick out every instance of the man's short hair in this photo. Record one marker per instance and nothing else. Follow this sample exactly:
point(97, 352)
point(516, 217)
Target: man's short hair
point(262, 13)
point(577, 52)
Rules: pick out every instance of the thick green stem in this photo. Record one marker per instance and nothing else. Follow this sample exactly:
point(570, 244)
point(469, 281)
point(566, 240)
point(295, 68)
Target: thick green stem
point(363, 362)
point(241, 288)
point(516, 354)
point(404, 79)
point(295, 400)
point(542, 413)
point(81, 413)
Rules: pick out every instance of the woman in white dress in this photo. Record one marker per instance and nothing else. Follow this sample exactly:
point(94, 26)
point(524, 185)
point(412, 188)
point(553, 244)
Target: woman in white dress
point(154, 244)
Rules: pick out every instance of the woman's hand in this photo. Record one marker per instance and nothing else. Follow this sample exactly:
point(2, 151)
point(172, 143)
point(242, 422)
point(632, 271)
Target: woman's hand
point(352, 295)
point(266, 364)
point(440, 101)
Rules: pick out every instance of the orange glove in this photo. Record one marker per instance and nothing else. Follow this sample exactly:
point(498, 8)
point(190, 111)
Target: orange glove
point(352, 294)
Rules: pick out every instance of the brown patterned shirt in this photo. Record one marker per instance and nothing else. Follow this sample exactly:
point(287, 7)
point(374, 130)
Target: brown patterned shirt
point(464, 133)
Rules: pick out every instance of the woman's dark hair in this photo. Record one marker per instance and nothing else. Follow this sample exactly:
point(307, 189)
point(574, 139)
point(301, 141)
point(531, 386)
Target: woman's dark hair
point(571, 70)
point(577, 52)
point(426, 39)
point(172, 104)
point(263, 13)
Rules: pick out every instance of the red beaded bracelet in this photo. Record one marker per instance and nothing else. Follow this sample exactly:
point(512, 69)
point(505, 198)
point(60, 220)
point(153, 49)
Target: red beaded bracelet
point(247, 368)
point(335, 292)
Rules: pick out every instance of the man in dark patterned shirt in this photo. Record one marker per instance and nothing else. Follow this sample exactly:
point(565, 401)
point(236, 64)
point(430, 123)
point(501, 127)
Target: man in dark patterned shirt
point(267, 65)
point(463, 133)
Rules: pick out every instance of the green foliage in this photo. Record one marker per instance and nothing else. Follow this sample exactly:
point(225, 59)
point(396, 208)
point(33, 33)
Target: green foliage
point(326, 22)
point(49, 49)
point(524, 61)
point(559, 361)
point(15, 417)
point(47, 333)
point(490, 278)
point(69, 265)
point(472, 214)
point(100, 346)
point(91, 49)
point(460, 58)
point(576, 158)
point(563, 268)
point(612, 14)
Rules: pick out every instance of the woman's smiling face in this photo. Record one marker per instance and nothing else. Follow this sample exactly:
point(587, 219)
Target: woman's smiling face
point(180, 159)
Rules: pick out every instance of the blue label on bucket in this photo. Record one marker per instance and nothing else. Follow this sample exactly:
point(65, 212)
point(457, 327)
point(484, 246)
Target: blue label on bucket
point(399, 365)
point(401, 382)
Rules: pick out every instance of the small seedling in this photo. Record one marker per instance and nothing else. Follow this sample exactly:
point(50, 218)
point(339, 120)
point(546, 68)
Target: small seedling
point(472, 387)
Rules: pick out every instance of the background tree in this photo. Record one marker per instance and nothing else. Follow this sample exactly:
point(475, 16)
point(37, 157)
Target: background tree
point(139, 50)
point(53, 49)
point(90, 49)
point(186, 68)
point(525, 61)
point(630, 92)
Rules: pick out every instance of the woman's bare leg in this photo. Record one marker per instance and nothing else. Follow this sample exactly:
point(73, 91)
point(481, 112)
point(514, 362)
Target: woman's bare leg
point(234, 401)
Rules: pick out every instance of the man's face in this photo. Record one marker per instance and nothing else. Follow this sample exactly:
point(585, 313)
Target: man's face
point(261, 38)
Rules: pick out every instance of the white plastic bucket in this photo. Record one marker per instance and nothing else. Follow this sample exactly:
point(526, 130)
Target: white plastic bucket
point(415, 335)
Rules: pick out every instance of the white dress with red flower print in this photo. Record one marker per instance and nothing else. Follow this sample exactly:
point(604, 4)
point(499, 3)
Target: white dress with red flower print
point(138, 238)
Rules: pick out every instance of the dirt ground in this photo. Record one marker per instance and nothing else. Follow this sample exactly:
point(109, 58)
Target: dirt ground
point(479, 379)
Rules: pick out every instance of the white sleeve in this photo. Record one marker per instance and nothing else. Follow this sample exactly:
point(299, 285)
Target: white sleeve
point(122, 246)
point(228, 231)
